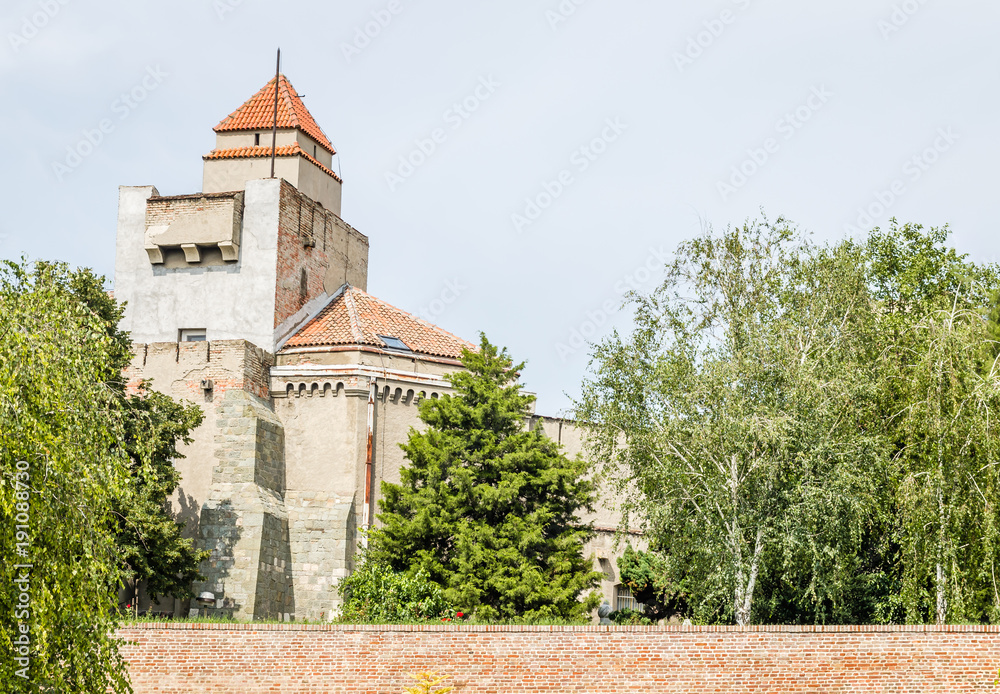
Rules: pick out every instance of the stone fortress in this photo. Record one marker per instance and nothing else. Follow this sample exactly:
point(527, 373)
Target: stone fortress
point(250, 299)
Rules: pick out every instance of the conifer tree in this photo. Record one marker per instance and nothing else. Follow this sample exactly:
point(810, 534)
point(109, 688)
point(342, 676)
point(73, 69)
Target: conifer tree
point(488, 507)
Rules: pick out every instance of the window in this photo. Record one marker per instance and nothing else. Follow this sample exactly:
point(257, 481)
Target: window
point(625, 601)
point(394, 343)
point(314, 151)
point(192, 335)
point(256, 139)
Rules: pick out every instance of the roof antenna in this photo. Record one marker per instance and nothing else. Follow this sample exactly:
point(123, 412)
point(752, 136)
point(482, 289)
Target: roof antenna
point(274, 130)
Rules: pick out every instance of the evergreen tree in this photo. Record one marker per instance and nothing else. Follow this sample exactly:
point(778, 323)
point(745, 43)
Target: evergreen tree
point(488, 508)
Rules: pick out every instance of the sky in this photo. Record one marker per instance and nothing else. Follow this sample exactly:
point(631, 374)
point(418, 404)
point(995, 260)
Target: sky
point(518, 166)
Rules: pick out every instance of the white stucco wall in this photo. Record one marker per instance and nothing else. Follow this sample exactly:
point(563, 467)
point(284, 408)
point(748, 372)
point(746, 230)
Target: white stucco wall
point(231, 301)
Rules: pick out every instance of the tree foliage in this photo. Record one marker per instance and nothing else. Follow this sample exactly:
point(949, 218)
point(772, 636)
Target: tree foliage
point(940, 399)
point(732, 410)
point(486, 508)
point(150, 540)
point(811, 428)
point(87, 468)
point(61, 415)
point(376, 594)
point(647, 575)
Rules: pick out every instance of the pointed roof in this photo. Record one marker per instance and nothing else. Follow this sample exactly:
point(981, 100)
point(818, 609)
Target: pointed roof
point(258, 113)
point(355, 317)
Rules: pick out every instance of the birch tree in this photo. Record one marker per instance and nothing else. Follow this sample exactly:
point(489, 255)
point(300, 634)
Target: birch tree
point(733, 409)
point(937, 324)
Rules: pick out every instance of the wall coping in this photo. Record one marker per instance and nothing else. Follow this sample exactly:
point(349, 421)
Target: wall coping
point(481, 628)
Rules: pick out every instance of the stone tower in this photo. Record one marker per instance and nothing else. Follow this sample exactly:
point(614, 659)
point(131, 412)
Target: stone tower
point(249, 257)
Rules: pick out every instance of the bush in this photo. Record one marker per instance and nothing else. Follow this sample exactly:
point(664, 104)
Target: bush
point(377, 594)
point(629, 617)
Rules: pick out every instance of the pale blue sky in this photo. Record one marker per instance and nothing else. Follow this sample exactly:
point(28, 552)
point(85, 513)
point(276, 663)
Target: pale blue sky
point(833, 100)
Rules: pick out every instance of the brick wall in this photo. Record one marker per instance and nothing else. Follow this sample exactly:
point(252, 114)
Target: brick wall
point(252, 658)
point(313, 239)
point(228, 364)
point(163, 211)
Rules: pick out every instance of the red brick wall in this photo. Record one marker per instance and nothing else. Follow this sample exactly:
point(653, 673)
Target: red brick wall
point(303, 228)
point(251, 659)
point(313, 238)
point(162, 211)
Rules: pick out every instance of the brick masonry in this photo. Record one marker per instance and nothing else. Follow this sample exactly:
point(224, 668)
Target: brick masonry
point(317, 252)
point(251, 658)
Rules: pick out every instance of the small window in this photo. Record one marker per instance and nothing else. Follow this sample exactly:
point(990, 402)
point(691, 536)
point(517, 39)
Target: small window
point(624, 600)
point(193, 335)
point(314, 151)
point(256, 139)
point(394, 343)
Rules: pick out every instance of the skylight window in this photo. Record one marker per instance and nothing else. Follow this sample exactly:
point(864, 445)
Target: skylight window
point(394, 343)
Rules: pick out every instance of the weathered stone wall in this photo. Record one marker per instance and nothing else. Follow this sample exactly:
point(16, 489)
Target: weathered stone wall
point(323, 542)
point(252, 659)
point(244, 523)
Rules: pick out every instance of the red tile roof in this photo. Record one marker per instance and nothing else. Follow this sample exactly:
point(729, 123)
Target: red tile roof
point(358, 318)
point(291, 150)
point(258, 114)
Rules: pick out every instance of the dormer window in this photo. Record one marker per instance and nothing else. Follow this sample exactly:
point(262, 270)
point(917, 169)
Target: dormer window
point(394, 343)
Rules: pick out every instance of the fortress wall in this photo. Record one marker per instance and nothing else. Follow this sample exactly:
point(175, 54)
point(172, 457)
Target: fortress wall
point(253, 658)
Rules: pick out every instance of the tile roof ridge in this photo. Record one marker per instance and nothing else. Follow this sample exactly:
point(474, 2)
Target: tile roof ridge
point(352, 315)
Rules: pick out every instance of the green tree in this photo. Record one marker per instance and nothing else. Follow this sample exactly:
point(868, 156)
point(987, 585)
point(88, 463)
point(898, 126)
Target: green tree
point(939, 387)
point(376, 594)
point(993, 325)
point(486, 508)
point(733, 418)
point(89, 465)
point(150, 540)
point(647, 576)
point(61, 466)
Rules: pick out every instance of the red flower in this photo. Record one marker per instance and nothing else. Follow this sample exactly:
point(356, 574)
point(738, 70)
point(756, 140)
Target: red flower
point(459, 614)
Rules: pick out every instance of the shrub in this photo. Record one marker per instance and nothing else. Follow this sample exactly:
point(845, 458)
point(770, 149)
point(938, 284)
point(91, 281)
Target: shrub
point(376, 593)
